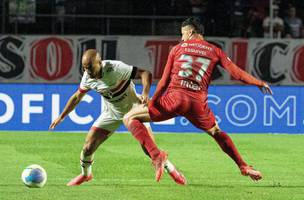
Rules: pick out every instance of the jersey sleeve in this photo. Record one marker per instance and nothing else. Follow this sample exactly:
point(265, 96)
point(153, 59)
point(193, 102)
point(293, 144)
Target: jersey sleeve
point(84, 86)
point(237, 72)
point(124, 71)
point(165, 79)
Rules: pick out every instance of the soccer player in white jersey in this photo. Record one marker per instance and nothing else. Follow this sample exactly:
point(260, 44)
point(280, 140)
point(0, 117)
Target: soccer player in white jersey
point(113, 80)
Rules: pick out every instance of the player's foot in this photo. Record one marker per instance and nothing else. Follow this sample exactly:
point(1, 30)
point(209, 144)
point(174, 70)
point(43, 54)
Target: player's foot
point(79, 180)
point(159, 164)
point(252, 173)
point(178, 177)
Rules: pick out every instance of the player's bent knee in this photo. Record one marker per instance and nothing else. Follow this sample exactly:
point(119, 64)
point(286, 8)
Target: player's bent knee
point(217, 131)
point(126, 120)
point(214, 130)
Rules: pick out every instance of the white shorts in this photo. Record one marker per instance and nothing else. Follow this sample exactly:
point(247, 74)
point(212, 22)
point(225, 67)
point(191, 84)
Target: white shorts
point(110, 124)
point(111, 119)
point(106, 122)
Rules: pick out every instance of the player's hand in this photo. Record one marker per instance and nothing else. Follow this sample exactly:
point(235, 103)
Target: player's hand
point(55, 123)
point(144, 99)
point(265, 89)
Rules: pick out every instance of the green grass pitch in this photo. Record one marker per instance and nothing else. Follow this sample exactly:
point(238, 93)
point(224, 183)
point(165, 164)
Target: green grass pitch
point(122, 171)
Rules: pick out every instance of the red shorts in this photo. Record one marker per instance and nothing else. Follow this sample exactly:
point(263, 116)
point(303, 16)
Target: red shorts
point(175, 103)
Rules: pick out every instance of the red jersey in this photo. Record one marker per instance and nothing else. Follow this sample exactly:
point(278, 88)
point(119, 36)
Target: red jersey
point(190, 65)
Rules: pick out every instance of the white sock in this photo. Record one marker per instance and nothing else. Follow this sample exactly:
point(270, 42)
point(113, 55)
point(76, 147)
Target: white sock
point(86, 164)
point(169, 166)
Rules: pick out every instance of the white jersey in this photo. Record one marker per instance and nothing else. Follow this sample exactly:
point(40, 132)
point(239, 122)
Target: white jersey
point(115, 86)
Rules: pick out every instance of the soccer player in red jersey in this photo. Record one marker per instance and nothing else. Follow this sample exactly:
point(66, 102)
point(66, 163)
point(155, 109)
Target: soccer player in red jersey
point(183, 90)
point(113, 80)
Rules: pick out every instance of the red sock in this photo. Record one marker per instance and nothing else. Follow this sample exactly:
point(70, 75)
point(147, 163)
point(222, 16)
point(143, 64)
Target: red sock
point(140, 132)
point(228, 147)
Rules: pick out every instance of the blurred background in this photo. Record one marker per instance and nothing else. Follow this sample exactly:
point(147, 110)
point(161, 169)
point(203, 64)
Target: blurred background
point(226, 18)
point(41, 43)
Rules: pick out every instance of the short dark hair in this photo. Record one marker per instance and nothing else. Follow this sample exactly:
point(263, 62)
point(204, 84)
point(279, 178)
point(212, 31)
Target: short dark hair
point(195, 24)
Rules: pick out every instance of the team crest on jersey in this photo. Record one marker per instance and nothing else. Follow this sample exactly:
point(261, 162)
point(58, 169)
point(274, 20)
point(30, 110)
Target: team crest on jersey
point(109, 69)
point(184, 45)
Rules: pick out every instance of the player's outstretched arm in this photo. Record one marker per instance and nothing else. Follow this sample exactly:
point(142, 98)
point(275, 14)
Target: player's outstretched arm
point(165, 79)
point(246, 78)
point(146, 80)
point(239, 74)
point(71, 104)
